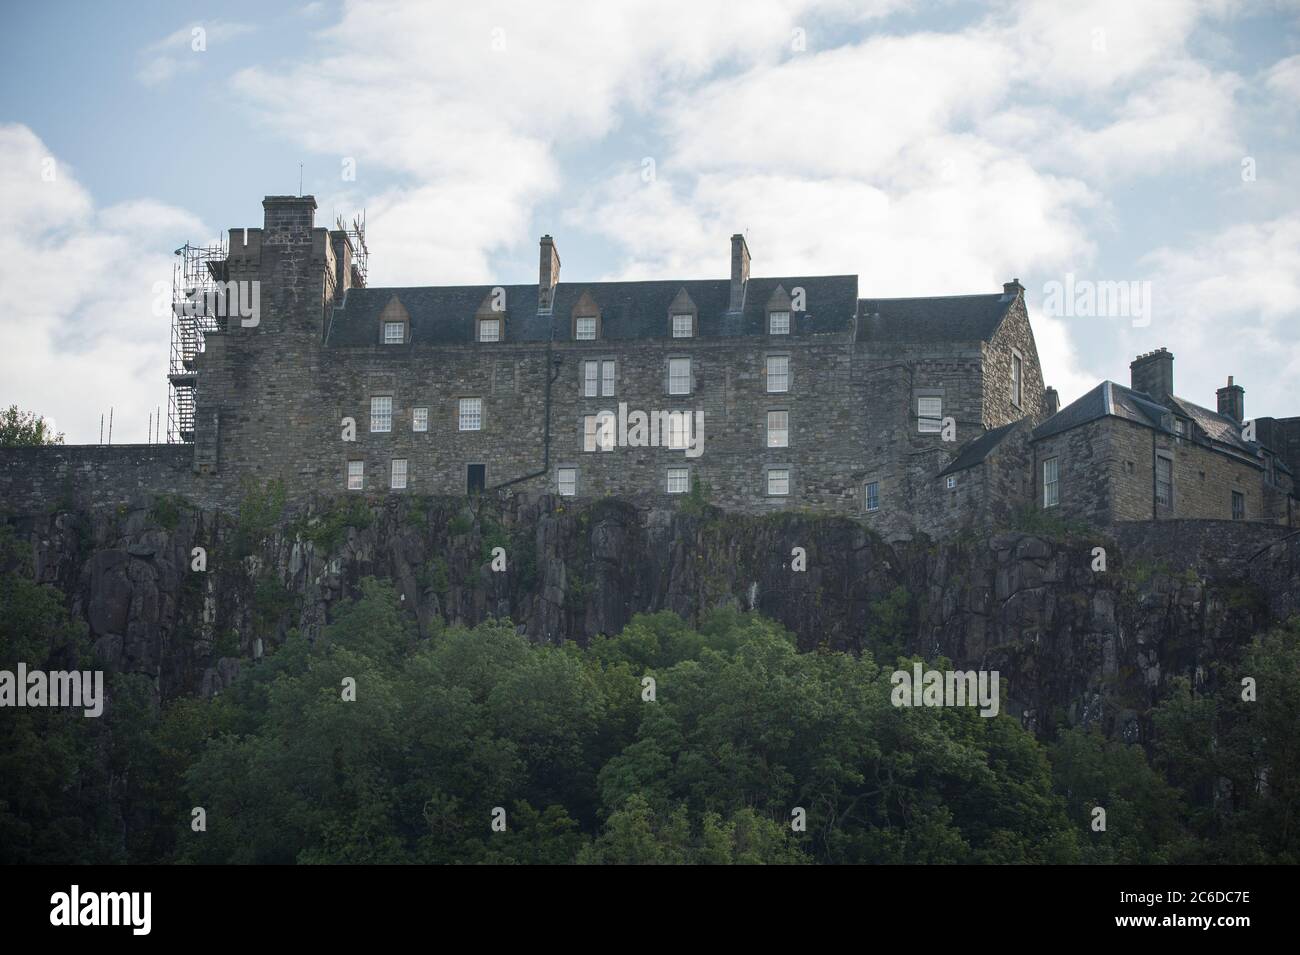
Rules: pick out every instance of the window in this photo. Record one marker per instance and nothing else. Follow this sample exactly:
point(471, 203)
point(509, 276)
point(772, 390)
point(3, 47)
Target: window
point(778, 323)
point(599, 431)
point(679, 430)
point(1017, 379)
point(1051, 482)
point(419, 419)
point(679, 480)
point(356, 475)
point(399, 473)
point(952, 481)
point(873, 496)
point(471, 414)
point(679, 376)
point(1164, 482)
point(566, 479)
point(778, 482)
point(778, 373)
point(607, 378)
point(929, 414)
point(489, 330)
point(1180, 427)
point(778, 429)
point(1238, 506)
point(394, 333)
point(683, 326)
point(584, 329)
point(381, 413)
point(598, 378)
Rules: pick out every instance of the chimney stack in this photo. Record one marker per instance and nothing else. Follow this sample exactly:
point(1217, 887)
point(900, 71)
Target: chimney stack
point(1012, 289)
point(1232, 401)
point(1154, 374)
point(739, 271)
point(548, 274)
point(1051, 401)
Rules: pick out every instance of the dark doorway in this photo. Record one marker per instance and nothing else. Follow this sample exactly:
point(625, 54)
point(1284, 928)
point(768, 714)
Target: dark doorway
point(476, 478)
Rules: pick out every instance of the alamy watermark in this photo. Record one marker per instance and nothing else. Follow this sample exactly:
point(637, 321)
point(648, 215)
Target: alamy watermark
point(75, 688)
point(678, 430)
point(946, 688)
point(1085, 298)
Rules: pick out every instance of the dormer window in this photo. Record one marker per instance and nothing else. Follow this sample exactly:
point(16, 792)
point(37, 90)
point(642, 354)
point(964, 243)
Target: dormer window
point(394, 333)
point(778, 323)
point(584, 328)
point(489, 329)
point(394, 323)
point(683, 326)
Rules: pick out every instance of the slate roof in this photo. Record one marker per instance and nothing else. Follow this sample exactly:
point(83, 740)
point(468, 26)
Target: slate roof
point(976, 451)
point(1110, 398)
point(947, 318)
point(629, 310)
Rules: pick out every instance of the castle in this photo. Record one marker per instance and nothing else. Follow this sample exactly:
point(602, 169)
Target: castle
point(916, 415)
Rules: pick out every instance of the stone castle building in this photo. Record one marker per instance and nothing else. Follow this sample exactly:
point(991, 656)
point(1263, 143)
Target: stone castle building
point(916, 415)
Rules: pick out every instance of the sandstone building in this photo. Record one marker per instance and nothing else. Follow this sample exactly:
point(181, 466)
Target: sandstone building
point(915, 415)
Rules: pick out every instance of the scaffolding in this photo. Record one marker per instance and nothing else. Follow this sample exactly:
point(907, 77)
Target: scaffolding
point(356, 233)
point(195, 294)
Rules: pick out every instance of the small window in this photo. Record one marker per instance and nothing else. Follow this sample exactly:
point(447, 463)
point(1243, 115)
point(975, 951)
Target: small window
point(679, 376)
point(952, 481)
point(1164, 482)
point(419, 419)
point(584, 329)
point(679, 430)
point(381, 413)
point(1017, 379)
point(1180, 427)
point(679, 480)
point(929, 414)
point(683, 326)
point(778, 373)
point(1238, 506)
point(599, 431)
point(489, 330)
point(394, 333)
point(778, 482)
point(778, 323)
point(566, 479)
point(607, 376)
point(590, 379)
point(873, 496)
point(399, 473)
point(1051, 482)
point(471, 414)
point(778, 429)
point(356, 475)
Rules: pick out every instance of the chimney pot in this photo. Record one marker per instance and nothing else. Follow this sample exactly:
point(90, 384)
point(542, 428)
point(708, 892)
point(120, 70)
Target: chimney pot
point(1232, 401)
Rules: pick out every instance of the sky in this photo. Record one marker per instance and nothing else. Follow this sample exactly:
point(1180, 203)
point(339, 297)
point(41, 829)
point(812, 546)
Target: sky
point(930, 148)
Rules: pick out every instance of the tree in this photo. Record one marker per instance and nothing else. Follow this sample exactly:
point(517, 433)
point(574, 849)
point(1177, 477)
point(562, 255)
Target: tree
point(25, 429)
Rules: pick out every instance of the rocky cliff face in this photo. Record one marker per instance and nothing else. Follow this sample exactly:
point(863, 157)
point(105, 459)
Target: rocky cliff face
point(1072, 643)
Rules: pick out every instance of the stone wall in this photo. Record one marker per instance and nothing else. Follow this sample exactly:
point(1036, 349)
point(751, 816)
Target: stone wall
point(35, 480)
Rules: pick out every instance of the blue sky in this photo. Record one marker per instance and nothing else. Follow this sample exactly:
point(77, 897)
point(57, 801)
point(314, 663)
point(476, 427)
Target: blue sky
point(933, 148)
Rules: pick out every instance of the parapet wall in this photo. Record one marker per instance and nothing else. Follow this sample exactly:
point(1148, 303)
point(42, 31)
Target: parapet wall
point(88, 475)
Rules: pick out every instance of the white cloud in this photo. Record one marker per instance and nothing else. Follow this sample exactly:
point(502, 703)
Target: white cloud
point(78, 333)
point(179, 51)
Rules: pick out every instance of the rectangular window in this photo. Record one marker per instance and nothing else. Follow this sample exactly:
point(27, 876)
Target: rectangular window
point(590, 379)
point(1238, 506)
point(607, 378)
point(778, 429)
point(778, 482)
point(873, 496)
point(778, 323)
point(471, 414)
point(419, 419)
point(599, 431)
point(356, 475)
point(679, 430)
point(489, 330)
point(584, 329)
point(1051, 482)
point(394, 333)
point(1017, 384)
point(929, 415)
point(679, 480)
point(381, 413)
point(1164, 482)
point(399, 473)
point(567, 481)
point(679, 376)
point(778, 373)
point(683, 326)
point(952, 481)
